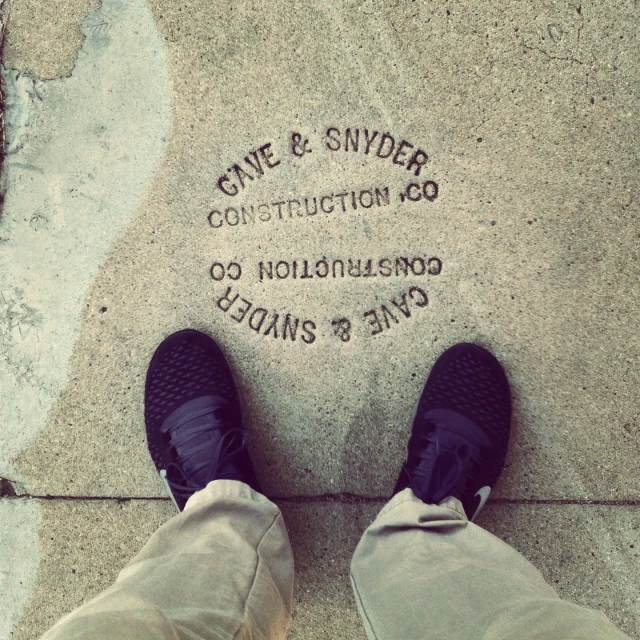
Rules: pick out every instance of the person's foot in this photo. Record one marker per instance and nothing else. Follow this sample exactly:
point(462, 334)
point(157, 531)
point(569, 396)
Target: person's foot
point(460, 430)
point(193, 419)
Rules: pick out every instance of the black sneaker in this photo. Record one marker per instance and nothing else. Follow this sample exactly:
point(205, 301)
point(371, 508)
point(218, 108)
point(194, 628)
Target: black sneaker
point(460, 430)
point(193, 418)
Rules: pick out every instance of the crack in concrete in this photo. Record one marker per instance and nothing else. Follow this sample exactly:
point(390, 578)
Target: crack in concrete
point(528, 47)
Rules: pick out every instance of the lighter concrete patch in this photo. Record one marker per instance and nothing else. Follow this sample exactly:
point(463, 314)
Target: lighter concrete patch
point(20, 522)
point(81, 151)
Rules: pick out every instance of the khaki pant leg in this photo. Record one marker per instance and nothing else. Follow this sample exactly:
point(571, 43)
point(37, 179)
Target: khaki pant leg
point(423, 572)
point(221, 569)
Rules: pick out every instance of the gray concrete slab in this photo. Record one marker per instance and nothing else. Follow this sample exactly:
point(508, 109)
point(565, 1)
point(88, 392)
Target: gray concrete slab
point(527, 117)
point(82, 547)
point(589, 554)
point(45, 37)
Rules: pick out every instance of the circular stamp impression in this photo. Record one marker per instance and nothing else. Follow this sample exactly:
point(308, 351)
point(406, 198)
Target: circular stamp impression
point(306, 215)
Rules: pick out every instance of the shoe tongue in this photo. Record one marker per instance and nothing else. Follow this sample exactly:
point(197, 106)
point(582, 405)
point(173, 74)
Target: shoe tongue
point(199, 412)
point(451, 443)
point(446, 471)
point(198, 406)
point(459, 426)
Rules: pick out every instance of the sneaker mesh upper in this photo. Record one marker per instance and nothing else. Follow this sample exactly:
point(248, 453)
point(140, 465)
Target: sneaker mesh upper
point(191, 366)
point(475, 386)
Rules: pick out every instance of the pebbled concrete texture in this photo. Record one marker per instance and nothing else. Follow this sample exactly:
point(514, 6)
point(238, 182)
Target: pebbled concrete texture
point(122, 119)
point(45, 37)
point(588, 553)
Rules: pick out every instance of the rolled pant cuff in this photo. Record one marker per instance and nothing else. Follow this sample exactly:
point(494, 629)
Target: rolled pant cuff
point(217, 489)
point(407, 496)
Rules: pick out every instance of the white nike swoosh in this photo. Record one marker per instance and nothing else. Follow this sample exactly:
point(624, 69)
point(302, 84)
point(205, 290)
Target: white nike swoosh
point(484, 496)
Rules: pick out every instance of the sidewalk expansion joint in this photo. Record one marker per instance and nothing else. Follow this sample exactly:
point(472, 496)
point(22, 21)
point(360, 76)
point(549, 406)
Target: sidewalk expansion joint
point(327, 498)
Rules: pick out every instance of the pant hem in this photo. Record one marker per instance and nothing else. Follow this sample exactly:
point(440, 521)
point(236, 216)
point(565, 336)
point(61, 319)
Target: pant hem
point(222, 489)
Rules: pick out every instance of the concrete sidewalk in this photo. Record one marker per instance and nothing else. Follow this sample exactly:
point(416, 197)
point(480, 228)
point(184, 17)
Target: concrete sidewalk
point(336, 192)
